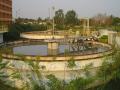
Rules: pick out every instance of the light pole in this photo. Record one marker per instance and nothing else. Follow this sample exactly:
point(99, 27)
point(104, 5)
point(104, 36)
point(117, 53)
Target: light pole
point(53, 8)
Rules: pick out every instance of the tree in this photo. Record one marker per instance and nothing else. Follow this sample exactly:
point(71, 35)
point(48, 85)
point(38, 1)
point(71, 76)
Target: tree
point(39, 19)
point(102, 20)
point(33, 79)
point(5, 82)
point(71, 18)
point(115, 20)
point(59, 17)
point(37, 82)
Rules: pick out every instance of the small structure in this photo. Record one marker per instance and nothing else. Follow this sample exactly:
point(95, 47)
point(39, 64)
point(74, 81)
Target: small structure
point(3, 29)
point(53, 48)
point(112, 38)
point(86, 27)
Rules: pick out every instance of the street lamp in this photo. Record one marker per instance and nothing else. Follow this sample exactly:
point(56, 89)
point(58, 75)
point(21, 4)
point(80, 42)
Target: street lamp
point(53, 8)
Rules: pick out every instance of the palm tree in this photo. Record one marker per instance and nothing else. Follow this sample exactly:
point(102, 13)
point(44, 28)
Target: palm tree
point(5, 82)
point(71, 64)
point(37, 81)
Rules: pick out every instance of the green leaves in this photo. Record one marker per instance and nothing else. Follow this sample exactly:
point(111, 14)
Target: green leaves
point(3, 65)
point(78, 84)
point(16, 75)
point(71, 18)
point(54, 83)
point(71, 63)
point(104, 39)
point(59, 17)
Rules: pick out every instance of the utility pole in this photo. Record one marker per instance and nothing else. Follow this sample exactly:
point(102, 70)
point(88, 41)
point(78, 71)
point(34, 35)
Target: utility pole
point(53, 8)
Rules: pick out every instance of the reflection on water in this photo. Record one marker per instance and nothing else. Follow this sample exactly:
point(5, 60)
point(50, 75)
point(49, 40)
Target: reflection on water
point(36, 49)
point(31, 50)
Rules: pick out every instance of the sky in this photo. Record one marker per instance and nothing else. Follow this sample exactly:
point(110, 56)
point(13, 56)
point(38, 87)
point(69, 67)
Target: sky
point(83, 8)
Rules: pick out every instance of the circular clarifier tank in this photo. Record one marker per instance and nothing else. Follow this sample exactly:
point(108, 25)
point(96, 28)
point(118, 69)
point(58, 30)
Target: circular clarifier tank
point(42, 50)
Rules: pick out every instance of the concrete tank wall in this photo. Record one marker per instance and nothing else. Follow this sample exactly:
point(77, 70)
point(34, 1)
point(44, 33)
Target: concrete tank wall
point(105, 32)
point(57, 68)
point(118, 40)
point(33, 36)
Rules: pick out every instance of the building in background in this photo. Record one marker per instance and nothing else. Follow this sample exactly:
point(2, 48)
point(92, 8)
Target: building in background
point(5, 16)
point(6, 11)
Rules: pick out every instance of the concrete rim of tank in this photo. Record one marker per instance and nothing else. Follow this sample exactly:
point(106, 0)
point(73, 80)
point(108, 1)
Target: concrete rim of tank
point(56, 58)
point(46, 35)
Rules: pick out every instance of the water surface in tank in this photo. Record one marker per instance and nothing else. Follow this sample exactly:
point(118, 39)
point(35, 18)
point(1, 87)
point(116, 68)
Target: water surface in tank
point(43, 50)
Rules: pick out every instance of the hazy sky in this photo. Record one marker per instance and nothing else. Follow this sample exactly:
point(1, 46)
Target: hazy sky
point(84, 8)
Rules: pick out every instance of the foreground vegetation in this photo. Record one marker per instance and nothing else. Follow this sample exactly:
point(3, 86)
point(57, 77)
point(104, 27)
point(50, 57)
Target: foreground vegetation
point(108, 76)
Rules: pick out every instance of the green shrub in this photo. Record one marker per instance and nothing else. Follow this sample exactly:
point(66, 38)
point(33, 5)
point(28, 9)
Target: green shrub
point(103, 39)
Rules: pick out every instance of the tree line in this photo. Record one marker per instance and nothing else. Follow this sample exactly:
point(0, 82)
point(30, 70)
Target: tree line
point(63, 21)
point(71, 19)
